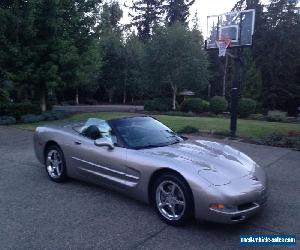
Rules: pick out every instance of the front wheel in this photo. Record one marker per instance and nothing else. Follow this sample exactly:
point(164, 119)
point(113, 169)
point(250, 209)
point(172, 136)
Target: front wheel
point(172, 199)
point(55, 164)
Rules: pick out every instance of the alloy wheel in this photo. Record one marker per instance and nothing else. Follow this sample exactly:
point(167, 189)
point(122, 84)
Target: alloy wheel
point(170, 200)
point(54, 164)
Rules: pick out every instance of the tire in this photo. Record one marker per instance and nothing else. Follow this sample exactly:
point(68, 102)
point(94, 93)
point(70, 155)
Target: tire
point(55, 164)
point(173, 199)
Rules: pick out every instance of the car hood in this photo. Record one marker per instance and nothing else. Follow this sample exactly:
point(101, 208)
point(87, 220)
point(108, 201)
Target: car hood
point(219, 164)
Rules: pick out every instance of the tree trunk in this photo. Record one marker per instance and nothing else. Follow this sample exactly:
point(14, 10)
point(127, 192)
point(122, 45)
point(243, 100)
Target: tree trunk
point(174, 99)
point(124, 94)
point(43, 102)
point(174, 89)
point(110, 95)
point(124, 87)
point(77, 97)
point(208, 91)
point(224, 76)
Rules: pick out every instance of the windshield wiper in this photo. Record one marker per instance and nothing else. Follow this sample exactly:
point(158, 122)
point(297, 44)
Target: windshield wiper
point(172, 133)
point(159, 145)
point(174, 142)
point(153, 146)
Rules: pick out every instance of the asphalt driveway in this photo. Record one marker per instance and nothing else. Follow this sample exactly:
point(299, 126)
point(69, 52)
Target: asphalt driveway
point(36, 213)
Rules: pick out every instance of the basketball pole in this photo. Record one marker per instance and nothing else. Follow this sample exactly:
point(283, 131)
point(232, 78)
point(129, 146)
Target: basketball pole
point(236, 83)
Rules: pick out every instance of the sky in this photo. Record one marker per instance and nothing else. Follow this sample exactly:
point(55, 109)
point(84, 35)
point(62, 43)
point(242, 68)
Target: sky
point(203, 7)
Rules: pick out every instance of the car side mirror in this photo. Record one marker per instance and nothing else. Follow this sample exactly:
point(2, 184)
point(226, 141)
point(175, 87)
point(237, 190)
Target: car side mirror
point(101, 142)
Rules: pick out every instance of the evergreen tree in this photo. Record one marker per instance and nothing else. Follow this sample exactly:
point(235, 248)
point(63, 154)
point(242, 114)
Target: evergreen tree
point(178, 10)
point(148, 14)
point(112, 51)
point(43, 44)
point(251, 77)
point(79, 60)
point(276, 45)
point(134, 75)
point(279, 57)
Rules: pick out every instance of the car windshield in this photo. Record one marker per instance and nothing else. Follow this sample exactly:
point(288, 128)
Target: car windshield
point(144, 132)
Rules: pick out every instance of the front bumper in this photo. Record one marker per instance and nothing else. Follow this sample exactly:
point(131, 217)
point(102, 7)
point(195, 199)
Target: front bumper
point(245, 202)
point(246, 211)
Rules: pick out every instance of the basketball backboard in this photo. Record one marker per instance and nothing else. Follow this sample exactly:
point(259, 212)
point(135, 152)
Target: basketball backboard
point(237, 26)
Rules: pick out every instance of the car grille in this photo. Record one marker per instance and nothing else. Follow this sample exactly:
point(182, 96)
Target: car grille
point(262, 199)
point(246, 206)
point(263, 196)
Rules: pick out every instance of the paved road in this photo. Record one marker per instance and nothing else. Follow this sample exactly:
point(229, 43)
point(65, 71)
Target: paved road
point(99, 108)
point(36, 213)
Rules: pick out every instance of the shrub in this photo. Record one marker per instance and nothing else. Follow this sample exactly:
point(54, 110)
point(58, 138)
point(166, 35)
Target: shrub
point(206, 106)
point(257, 117)
point(246, 107)
point(196, 105)
point(178, 113)
point(4, 97)
point(188, 130)
point(158, 104)
point(18, 109)
point(46, 116)
point(91, 101)
point(276, 116)
point(6, 120)
point(280, 140)
point(30, 118)
point(71, 102)
point(59, 114)
point(218, 104)
point(52, 115)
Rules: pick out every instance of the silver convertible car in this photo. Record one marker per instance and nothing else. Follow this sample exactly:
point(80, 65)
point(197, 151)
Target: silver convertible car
point(142, 158)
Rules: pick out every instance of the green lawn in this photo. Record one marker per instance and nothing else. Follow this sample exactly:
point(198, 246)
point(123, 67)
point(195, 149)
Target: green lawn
point(246, 128)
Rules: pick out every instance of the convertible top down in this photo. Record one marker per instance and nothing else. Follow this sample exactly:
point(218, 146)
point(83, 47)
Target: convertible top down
point(142, 158)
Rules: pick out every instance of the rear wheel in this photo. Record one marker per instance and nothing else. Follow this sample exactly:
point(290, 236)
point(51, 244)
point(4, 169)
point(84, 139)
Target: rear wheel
point(172, 199)
point(55, 164)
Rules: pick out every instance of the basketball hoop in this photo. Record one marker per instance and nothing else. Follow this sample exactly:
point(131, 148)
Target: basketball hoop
point(223, 44)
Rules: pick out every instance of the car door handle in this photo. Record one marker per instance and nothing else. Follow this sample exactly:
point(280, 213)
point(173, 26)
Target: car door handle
point(77, 142)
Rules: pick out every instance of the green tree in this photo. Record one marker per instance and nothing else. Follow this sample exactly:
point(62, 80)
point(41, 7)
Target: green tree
point(110, 18)
point(112, 51)
point(79, 57)
point(279, 57)
point(275, 53)
point(43, 44)
point(134, 72)
point(147, 15)
point(251, 77)
point(176, 59)
point(178, 10)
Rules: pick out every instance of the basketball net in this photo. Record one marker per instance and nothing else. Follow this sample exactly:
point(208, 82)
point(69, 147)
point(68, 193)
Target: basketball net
point(223, 45)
